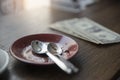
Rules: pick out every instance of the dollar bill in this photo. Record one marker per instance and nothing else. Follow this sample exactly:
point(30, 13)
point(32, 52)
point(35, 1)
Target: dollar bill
point(62, 28)
point(69, 32)
point(96, 31)
point(87, 29)
point(74, 26)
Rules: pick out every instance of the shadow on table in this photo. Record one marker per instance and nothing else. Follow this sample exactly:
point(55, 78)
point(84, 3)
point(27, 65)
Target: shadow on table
point(5, 75)
point(116, 76)
point(51, 72)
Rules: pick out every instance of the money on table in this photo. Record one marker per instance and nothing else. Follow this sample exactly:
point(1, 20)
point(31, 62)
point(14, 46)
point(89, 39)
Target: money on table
point(87, 29)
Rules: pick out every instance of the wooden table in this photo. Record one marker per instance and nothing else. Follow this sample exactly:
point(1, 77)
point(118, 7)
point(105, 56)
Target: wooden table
point(96, 62)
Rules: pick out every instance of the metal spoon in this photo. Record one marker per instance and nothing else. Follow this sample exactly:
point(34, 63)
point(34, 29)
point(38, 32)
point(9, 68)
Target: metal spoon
point(42, 48)
point(56, 50)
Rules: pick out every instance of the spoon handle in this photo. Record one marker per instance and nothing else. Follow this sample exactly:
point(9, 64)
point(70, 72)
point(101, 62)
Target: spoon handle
point(60, 63)
point(68, 63)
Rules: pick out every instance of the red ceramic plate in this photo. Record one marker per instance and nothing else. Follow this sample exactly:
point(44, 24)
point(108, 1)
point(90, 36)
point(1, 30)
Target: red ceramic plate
point(21, 48)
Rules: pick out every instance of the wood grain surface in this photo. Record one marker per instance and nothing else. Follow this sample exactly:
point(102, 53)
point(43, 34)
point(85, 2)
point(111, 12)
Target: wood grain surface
point(96, 62)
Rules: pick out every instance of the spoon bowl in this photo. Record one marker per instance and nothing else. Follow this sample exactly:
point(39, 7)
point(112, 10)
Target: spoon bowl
point(54, 48)
point(38, 47)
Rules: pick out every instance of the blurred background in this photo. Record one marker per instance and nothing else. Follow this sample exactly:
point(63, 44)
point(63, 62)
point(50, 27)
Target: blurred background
point(13, 6)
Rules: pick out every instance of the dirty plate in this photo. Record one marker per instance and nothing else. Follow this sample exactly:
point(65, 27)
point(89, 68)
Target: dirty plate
point(21, 48)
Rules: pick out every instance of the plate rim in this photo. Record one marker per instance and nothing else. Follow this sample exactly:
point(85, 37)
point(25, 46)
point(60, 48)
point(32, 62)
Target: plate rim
point(6, 62)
